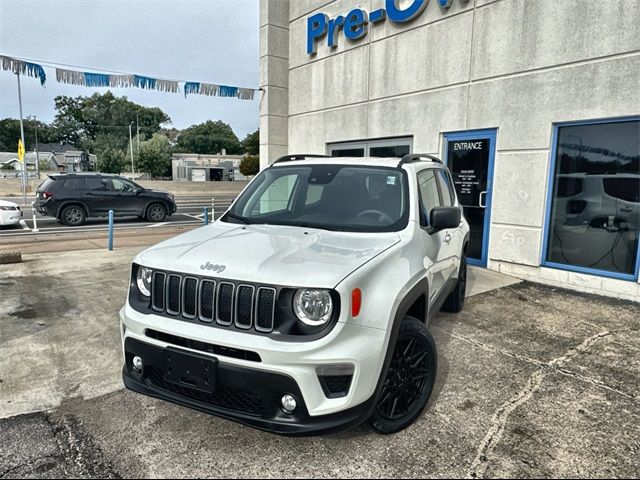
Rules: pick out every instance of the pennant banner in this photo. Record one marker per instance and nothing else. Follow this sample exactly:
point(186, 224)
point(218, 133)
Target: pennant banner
point(23, 68)
point(98, 80)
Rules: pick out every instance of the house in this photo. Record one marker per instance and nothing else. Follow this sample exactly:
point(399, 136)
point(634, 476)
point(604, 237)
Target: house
point(46, 160)
point(69, 157)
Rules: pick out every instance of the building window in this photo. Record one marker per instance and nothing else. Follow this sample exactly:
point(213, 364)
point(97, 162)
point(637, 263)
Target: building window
point(594, 217)
point(386, 148)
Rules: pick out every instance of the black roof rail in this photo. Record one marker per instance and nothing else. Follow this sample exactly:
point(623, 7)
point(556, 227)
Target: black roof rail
point(418, 157)
point(298, 156)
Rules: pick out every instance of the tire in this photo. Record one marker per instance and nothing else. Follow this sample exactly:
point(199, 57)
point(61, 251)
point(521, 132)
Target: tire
point(73, 216)
point(410, 379)
point(455, 301)
point(156, 213)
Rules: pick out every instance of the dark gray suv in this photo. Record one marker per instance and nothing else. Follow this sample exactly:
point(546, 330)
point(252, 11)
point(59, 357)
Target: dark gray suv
point(72, 198)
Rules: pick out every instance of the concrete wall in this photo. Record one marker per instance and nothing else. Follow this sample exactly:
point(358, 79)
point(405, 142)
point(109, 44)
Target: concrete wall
point(516, 65)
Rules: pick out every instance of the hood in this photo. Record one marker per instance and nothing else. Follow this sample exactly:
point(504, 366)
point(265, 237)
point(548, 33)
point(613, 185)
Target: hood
point(4, 203)
point(275, 255)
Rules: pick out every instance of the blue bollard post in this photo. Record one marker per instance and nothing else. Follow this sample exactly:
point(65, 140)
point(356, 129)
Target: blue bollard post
point(110, 230)
point(206, 215)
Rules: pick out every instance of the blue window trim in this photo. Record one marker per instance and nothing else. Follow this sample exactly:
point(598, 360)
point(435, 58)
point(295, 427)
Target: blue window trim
point(550, 187)
point(491, 135)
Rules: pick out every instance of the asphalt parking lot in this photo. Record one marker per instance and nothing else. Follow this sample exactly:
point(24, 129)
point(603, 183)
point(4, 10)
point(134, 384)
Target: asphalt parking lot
point(532, 382)
point(190, 212)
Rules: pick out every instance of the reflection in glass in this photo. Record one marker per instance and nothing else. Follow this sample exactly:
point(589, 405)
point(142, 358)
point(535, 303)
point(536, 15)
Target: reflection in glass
point(595, 214)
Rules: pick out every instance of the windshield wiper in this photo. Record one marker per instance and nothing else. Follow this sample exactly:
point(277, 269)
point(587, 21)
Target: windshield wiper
point(244, 220)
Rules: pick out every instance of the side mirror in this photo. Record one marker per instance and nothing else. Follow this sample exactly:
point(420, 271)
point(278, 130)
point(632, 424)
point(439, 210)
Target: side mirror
point(443, 218)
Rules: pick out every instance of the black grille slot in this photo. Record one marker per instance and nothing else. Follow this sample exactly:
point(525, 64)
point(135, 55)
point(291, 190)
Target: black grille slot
point(336, 386)
point(244, 306)
point(226, 398)
point(265, 309)
point(224, 314)
point(173, 294)
point(189, 293)
point(204, 347)
point(207, 291)
point(157, 292)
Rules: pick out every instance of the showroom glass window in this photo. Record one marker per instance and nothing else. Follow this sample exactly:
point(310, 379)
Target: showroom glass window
point(594, 221)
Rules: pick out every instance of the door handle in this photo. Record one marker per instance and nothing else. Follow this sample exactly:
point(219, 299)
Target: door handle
point(448, 237)
point(480, 202)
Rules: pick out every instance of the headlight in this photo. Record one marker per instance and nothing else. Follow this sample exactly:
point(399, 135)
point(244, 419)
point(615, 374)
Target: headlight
point(313, 307)
point(143, 280)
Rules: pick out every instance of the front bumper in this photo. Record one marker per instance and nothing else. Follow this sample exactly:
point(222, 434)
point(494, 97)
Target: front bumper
point(283, 367)
point(244, 395)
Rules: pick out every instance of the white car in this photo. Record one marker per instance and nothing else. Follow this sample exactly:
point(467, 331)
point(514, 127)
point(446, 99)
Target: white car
point(304, 309)
point(10, 213)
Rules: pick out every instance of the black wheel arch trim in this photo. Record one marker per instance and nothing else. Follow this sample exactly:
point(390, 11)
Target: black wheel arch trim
point(421, 288)
point(70, 203)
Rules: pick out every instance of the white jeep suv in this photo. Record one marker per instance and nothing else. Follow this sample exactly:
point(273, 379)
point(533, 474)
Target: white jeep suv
point(304, 309)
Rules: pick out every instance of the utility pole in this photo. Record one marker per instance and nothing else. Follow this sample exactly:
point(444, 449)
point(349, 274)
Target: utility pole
point(133, 173)
point(24, 160)
point(35, 124)
point(138, 133)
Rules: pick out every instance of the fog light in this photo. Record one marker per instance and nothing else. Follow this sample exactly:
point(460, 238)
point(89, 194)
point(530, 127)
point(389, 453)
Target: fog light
point(289, 404)
point(137, 364)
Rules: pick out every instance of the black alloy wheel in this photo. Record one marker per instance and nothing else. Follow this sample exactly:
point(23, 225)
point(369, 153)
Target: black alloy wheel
point(409, 381)
point(156, 213)
point(73, 216)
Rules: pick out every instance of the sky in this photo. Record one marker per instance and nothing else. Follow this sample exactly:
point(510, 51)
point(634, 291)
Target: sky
point(211, 41)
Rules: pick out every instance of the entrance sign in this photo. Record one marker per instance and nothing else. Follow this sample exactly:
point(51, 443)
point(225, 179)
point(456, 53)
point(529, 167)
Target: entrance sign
point(355, 24)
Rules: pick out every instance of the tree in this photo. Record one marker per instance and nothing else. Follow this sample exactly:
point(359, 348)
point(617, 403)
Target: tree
point(209, 138)
point(155, 156)
point(251, 143)
point(10, 133)
point(101, 122)
point(111, 161)
point(250, 165)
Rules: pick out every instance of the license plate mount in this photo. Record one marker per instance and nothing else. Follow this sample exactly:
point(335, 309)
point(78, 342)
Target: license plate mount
point(190, 370)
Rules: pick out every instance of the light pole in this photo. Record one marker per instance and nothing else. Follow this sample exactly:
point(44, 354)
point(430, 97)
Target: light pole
point(24, 160)
point(133, 173)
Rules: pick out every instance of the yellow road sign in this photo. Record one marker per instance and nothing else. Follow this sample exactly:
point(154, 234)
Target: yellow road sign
point(20, 151)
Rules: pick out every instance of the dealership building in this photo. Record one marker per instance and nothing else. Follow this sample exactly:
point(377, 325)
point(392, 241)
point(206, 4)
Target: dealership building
point(534, 105)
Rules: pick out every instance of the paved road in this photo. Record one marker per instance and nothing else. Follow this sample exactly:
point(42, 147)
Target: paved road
point(532, 382)
point(190, 212)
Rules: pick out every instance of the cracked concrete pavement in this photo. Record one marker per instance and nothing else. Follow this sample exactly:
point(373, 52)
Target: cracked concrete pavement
point(532, 382)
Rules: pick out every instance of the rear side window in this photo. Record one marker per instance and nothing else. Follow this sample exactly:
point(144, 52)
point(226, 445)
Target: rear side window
point(74, 183)
point(96, 184)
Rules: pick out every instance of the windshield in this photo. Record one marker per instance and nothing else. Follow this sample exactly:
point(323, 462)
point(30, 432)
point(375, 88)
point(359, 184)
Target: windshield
point(331, 197)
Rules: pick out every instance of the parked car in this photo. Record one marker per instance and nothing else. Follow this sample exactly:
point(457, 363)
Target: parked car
point(305, 308)
point(10, 213)
point(72, 198)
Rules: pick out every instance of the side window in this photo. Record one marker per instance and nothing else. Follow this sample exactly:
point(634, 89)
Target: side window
point(277, 196)
point(448, 197)
point(121, 185)
point(73, 184)
point(96, 184)
point(429, 194)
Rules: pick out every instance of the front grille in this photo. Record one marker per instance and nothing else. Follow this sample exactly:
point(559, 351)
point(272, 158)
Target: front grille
point(226, 303)
point(224, 397)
